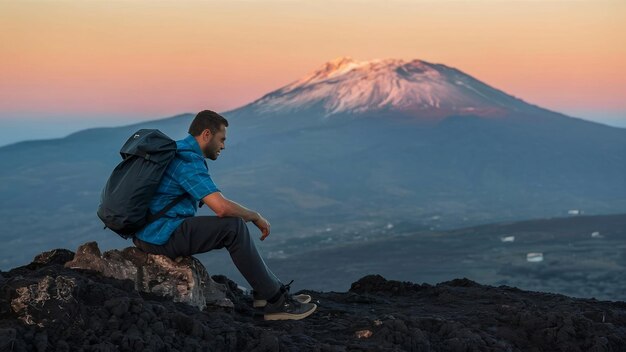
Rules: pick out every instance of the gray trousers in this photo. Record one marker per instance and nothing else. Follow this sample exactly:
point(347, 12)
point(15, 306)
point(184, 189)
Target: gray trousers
point(199, 234)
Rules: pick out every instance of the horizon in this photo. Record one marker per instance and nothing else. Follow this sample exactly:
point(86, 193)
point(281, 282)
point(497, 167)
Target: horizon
point(15, 131)
point(81, 65)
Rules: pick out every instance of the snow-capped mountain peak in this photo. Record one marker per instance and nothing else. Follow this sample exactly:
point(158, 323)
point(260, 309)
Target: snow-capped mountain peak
point(345, 85)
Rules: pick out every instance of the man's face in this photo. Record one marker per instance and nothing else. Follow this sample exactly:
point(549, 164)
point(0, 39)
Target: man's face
point(213, 148)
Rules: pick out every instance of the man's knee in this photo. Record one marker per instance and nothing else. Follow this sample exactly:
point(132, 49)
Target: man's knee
point(236, 223)
point(238, 230)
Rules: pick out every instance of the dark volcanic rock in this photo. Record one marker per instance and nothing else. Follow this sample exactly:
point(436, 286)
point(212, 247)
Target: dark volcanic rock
point(55, 256)
point(378, 284)
point(99, 313)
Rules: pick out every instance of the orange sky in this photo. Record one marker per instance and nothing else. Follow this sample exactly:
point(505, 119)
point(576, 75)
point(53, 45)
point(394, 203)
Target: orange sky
point(159, 58)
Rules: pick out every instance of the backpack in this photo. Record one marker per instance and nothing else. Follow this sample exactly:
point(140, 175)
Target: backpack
point(125, 199)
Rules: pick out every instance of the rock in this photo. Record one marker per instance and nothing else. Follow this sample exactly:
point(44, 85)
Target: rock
point(78, 310)
point(183, 280)
point(56, 256)
point(45, 300)
point(378, 284)
point(363, 334)
point(7, 339)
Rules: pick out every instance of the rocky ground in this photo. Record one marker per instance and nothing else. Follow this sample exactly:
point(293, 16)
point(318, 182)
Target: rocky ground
point(106, 314)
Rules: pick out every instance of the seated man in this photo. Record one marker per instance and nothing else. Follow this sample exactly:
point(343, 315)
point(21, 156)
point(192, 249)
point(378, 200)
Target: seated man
point(180, 233)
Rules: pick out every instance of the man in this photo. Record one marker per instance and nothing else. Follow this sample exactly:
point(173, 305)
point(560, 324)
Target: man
point(180, 233)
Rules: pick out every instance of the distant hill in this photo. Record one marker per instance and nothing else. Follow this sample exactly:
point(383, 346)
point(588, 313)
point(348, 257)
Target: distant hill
point(351, 143)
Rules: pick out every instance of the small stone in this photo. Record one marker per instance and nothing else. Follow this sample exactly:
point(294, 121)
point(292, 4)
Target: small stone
point(363, 334)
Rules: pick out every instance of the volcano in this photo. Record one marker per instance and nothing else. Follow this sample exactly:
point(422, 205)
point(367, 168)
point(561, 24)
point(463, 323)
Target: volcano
point(417, 88)
point(413, 139)
point(352, 145)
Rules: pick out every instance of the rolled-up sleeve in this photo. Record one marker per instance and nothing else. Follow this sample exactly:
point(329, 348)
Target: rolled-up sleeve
point(194, 177)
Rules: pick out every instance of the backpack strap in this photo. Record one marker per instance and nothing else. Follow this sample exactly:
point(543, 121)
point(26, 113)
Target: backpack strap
point(153, 217)
point(138, 153)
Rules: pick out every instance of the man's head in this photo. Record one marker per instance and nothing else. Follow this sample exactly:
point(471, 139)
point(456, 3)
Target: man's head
point(209, 129)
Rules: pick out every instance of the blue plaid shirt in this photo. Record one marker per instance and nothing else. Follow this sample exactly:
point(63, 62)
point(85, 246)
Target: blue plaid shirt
point(186, 173)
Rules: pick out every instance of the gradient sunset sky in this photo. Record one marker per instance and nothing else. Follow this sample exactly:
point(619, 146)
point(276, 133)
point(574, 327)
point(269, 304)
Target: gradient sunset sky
point(89, 62)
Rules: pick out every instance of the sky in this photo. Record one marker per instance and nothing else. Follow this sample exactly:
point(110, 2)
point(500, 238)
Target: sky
point(69, 65)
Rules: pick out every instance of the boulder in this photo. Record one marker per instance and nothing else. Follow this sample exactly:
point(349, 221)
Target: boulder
point(183, 280)
point(56, 256)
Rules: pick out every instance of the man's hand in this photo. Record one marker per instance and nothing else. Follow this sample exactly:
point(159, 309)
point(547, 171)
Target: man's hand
point(263, 225)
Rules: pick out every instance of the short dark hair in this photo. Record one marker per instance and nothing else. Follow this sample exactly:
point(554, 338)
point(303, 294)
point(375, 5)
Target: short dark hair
point(207, 119)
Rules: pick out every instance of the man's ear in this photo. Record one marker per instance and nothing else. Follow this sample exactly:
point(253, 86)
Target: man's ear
point(207, 133)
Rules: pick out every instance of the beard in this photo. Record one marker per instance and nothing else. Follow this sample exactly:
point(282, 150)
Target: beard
point(210, 152)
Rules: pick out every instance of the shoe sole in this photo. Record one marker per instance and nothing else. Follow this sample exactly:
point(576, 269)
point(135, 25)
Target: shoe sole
point(290, 316)
point(261, 303)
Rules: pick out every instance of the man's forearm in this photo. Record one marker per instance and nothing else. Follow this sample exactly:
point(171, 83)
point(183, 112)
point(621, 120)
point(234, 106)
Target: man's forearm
point(235, 209)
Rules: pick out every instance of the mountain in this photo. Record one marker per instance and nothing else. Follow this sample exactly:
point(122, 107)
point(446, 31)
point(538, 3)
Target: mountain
point(406, 141)
point(350, 147)
point(44, 305)
point(417, 88)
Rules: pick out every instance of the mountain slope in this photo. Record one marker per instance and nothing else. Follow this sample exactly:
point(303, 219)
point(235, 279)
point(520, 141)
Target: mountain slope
point(420, 88)
point(574, 263)
point(349, 144)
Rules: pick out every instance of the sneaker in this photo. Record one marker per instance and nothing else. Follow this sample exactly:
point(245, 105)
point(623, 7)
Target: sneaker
point(302, 298)
point(288, 308)
point(260, 303)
